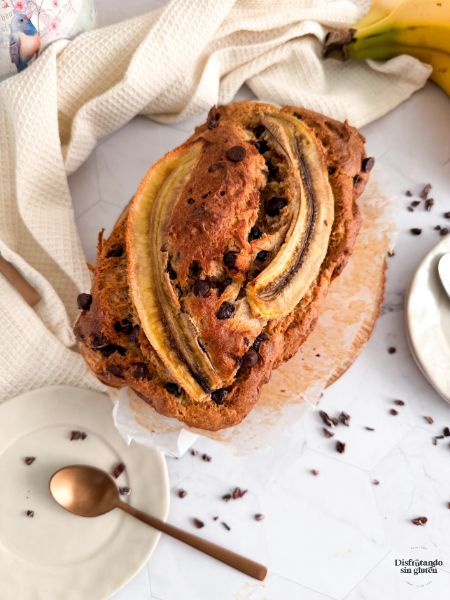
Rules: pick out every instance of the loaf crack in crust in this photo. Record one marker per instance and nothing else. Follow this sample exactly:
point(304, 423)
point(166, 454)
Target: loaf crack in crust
point(215, 272)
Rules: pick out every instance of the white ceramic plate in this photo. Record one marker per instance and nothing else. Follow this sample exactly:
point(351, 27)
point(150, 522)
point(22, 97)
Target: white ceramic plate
point(427, 314)
point(56, 555)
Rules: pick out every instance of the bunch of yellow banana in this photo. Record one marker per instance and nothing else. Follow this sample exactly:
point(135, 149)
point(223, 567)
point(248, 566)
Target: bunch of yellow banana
point(420, 28)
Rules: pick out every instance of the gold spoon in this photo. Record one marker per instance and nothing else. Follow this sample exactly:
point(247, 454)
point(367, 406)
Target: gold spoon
point(89, 492)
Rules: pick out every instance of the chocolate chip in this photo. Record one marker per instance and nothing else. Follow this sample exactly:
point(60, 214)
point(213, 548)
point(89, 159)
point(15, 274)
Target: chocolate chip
point(261, 145)
point(419, 521)
point(415, 230)
point(227, 527)
point(399, 402)
point(29, 460)
point(443, 231)
point(429, 420)
point(314, 472)
point(171, 271)
point(182, 493)
point(250, 358)
point(77, 435)
point(111, 348)
point(118, 470)
point(367, 164)
point(235, 153)
point(123, 326)
point(344, 418)
point(30, 513)
point(273, 170)
point(124, 491)
point(429, 203)
point(173, 389)
point(195, 268)
point(262, 255)
point(328, 421)
point(331, 170)
point(393, 412)
point(221, 287)
point(258, 517)
point(262, 337)
point(229, 259)
point(238, 493)
point(425, 191)
point(327, 433)
point(197, 523)
point(84, 301)
point(206, 458)
point(134, 333)
point(190, 200)
point(446, 431)
point(340, 447)
point(201, 288)
point(254, 234)
point(392, 350)
point(415, 203)
point(274, 206)
point(356, 179)
point(115, 370)
point(446, 215)
point(225, 311)
point(115, 251)
point(218, 396)
point(259, 131)
point(140, 371)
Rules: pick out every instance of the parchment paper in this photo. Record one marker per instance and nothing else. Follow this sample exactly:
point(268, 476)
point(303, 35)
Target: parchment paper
point(344, 326)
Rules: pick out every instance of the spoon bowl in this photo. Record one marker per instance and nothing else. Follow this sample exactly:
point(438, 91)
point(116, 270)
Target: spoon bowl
point(84, 490)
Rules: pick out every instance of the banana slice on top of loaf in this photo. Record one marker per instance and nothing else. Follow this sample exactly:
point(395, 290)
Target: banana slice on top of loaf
point(214, 273)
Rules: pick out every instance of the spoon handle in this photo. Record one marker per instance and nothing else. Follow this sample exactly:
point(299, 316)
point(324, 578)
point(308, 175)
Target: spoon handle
point(245, 565)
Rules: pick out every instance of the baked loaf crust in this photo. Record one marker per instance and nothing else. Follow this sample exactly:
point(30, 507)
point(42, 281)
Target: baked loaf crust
point(215, 272)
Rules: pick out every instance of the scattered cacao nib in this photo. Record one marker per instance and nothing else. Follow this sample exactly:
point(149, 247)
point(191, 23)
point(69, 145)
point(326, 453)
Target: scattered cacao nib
point(375, 482)
point(446, 215)
point(115, 370)
point(197, 523)
point(238, 493)
point(173, 389)
point(171, 271)
point(415, 230)
point(77, 435)
point(254, 234)
point(118, 470)
point(436, 438)
point(446, 431)
point(111, 348)
point(115, 251)
point(201, 288)
point(225, 311)
point(392, 350)
point(262, 337)
point(327, 433)
point(393, 412)
point(437, 227)
point(229, 259)
point(215, 518)
point(218, 396)
point(443, 231)
point(429, 420)
point(258, 517)
point(191, 200)
point(182, 493)
point(408, 193)
point(206, 458)
point(415, 203)
point(420, 521)
point(391, 253)
point(367, 164)
point(410, 208)
point(194, 452)
point(30, 514)
point(314, 472)
point(399, 402)
point(369, 428)
point(274, 206)
point(429, 203)
point(340, 447)
point(84, 301)
point(425, 191)
point(226, 497)
point(29, 460)
point(250, 358)
point(235, 153)
point(329, 421)
point(124, 491)
point(262, 255)
point(344, 418)
point(140, 371)
point(227, 527)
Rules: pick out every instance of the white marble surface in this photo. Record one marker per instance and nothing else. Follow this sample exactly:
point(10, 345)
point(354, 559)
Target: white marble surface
point(335, 535)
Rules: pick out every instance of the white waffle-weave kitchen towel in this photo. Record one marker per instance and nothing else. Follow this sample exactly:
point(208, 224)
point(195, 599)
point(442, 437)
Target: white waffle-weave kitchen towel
point(169, 64)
